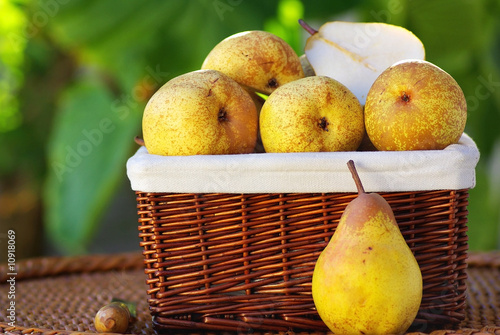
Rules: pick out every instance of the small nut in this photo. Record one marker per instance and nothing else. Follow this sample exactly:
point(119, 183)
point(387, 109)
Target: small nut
point(112, 318)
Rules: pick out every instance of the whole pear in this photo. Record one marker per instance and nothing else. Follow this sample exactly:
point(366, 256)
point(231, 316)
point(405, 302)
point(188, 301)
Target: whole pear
point(202, 112)
point(311, 114)
point(415, 105)
point(366, 280)
point(256, 59)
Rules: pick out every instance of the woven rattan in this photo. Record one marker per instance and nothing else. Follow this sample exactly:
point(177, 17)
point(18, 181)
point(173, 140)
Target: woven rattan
point(241, 262)
point(59, 296)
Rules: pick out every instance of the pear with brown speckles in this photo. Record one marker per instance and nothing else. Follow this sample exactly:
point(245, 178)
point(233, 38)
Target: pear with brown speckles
point(202, 112)
point(258, 60)
point(415, 105)
point(312, 114)
point(367, 280)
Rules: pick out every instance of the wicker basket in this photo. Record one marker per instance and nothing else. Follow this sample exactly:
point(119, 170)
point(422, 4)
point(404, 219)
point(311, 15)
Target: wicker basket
point(228, 261)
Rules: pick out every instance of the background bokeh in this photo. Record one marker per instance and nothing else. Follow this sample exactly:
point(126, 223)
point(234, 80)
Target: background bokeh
point(75, 76)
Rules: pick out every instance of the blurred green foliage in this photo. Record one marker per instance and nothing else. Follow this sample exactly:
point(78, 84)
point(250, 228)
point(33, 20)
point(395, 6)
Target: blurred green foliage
point(75, 76)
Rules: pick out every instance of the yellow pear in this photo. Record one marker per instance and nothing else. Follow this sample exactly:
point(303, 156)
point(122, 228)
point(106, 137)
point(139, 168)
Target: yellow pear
point(415, 105)
point(311, 114)
point(366, 280)
point(256, 59)
point(202, 112)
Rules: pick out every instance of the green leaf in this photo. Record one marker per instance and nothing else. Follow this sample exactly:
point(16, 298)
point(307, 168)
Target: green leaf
point(135, 48)
point(87, 152)
point(167, 32)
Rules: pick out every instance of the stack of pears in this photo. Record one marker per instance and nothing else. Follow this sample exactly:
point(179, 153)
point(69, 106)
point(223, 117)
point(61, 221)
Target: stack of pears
point(215, 110)
point(367, 280)
point(359, 86)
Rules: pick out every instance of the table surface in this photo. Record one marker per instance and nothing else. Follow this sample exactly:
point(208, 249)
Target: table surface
point(60, 295)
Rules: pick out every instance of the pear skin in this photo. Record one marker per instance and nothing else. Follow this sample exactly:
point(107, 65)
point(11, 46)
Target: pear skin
point(311, 114)
point(415, 105)
point(201, 112)
point(256, 59)
point(367, 280)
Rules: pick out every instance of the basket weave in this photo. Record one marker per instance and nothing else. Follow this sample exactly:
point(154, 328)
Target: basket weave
point(241, 262)
point(60, 295)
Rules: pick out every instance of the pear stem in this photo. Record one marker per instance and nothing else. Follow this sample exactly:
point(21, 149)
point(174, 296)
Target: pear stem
point(307, 27)
point(139, 140)
point(355, 176)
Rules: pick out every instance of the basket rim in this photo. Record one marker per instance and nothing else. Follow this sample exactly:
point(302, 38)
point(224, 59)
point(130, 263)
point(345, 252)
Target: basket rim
point(307, 172)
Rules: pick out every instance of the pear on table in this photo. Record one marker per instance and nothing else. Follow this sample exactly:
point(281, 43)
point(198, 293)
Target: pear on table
point(367, 280)
point(355, 53)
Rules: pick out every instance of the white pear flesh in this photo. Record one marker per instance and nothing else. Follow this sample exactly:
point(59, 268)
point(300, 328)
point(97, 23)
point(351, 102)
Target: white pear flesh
point(356, 53)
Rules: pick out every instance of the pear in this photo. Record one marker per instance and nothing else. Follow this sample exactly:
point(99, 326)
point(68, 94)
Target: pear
point(306, 66)
point(366, 280)
point(415, 105)
point(355, 53)
point(202, 112)
point(311, 114)
point(256, 59)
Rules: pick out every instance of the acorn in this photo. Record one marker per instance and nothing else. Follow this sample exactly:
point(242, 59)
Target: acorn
point(112, 318)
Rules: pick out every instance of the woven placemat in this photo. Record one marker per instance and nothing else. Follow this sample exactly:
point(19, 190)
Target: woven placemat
point(60, 295)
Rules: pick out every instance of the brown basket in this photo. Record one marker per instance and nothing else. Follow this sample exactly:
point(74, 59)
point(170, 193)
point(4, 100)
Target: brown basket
point(243, 262)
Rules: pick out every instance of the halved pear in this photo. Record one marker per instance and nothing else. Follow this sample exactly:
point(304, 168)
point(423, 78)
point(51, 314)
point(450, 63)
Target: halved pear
point(356, 53)
point(306, 66)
